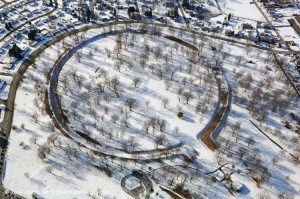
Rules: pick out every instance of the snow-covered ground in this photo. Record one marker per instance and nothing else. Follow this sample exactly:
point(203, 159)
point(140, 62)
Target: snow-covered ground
point(68, 178)
point(283, 169)
point(32, 125)
point(242, 8)
point(158, 82)
point(290, 35)
point(121, 93)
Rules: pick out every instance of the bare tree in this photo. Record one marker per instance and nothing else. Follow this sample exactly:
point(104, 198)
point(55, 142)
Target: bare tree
point(146, 127)
point(236, 126)
point(242, 151)
point(115, 83)
point(136, 82)
point(250, 141)
point(43, 151)
point(153, 122)
point(165, 102)
point(162, 124)
point(49, 169)
point(198, 107)
point(160, 140)
point(188, 96)
point(52, 139)
point(114, 118)
point(125, 122)
point(167, 84)
point(131, 103)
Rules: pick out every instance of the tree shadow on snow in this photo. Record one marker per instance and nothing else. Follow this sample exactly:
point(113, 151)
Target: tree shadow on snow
point(188, 117)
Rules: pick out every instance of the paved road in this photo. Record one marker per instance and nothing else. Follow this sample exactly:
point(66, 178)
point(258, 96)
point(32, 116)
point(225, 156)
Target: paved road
point(8, 117)
point(271, 24)
point(9, 103)
point(183, 15)
point(274, 53)
point(57, 113)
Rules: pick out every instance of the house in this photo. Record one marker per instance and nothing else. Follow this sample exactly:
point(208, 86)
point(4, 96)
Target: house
point(246, 26)
point(216, 29)
point(240, 34)
point(295, 23)
point(284, 3)
point(136, 16)
point(169, 4)
point(148, 12)
point(173, 13)
point(266, 38)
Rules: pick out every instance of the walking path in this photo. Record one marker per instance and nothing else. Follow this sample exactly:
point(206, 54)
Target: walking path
point(274, 142)
point(7, 122)
point(8, 117)
point(270, 24)
point(57, 113)
point(212, 130)
point(145, 182)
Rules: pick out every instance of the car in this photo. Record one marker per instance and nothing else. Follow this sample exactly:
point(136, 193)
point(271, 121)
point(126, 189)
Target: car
point(1, 51)
point(46, 9)
point(77, 23)
point(22, 19)
point(104, 19)
point(37, 12)
point(70, 25)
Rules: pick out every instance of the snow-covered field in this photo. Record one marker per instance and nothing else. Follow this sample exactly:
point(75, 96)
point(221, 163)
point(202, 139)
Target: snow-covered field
point(242, 8)
point(133, 102)
point(157, 82)
point(66, 179)
point(289, 34)
point(243, 142)
point(33, 127)
point(64, 167)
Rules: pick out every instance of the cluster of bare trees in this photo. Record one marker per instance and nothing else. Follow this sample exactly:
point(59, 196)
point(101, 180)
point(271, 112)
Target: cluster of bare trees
point(261, 98)
point(240, 147)
point(154, 124)
point(249, 156)
point(103, 92)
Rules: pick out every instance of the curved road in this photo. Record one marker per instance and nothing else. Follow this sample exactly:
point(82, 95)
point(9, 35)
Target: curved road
point(8, 117)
